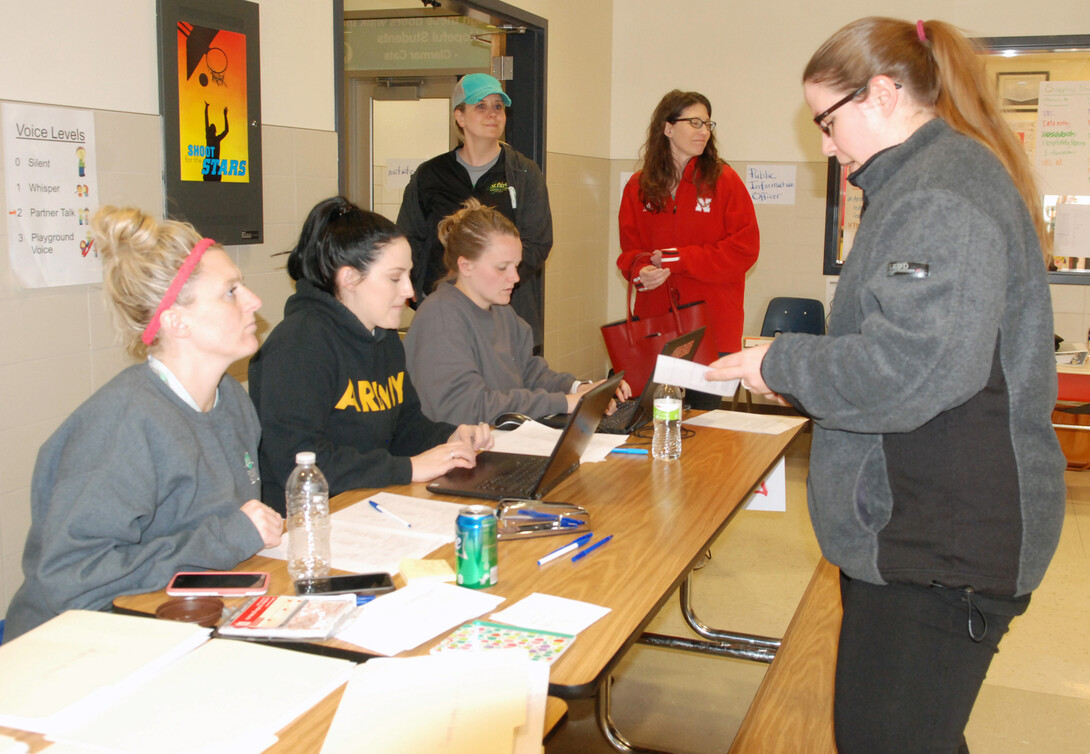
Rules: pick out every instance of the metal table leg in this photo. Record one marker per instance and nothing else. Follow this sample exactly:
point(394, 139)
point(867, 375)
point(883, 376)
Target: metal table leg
point(767, 644)
point(717, 642)
point(603, 705)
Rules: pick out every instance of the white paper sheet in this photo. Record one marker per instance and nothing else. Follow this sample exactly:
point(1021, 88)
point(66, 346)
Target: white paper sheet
point(76, 664)
point(226, 697)
point(535, 439)
point(740, 421)
point(546, 612)
point(689, 374)
point(423, 704)
point(413, 614)
point(9, 745)
point(363, 540)
point(771, 495)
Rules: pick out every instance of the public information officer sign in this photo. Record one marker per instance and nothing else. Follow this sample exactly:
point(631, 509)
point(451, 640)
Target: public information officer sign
point(52, 191)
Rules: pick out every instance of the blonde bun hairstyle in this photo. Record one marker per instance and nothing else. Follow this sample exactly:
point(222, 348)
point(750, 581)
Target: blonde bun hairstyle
point(140, 257)
point(467, 233)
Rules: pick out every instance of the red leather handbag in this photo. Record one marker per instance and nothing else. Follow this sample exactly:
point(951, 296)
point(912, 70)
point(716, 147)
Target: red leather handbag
point(634, 343)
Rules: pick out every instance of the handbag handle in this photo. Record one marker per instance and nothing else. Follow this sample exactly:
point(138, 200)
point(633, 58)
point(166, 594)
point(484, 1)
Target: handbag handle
point(671, 294)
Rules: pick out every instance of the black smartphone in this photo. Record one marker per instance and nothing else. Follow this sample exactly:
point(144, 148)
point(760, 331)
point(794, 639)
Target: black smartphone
point(357, 583)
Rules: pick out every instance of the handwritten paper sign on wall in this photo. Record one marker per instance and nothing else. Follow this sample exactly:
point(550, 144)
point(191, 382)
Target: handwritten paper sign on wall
point(771, 184)
point(1063, 137)
point(400, 169)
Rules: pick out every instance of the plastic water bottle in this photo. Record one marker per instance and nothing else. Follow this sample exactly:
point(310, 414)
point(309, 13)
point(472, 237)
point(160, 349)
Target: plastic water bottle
point(666, 445)
point(308, 520)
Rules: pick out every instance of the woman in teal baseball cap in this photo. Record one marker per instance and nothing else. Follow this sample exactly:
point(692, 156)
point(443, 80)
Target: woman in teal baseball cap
point(485, 168)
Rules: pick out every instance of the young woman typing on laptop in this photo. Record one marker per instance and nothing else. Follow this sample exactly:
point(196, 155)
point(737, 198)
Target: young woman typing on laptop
point(155, 472)
point(331, 377)
point(470, 354)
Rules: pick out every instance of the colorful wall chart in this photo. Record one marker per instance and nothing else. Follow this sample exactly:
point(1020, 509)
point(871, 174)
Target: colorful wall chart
point(52, 192)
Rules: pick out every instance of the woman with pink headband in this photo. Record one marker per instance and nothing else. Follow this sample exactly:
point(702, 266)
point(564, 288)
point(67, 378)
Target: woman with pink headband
point(157, 471)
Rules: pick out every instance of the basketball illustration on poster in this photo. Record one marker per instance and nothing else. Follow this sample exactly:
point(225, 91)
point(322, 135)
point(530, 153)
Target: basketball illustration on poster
point(211, 96)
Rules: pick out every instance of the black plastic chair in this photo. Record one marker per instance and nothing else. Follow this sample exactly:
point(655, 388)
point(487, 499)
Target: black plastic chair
point(787, 314)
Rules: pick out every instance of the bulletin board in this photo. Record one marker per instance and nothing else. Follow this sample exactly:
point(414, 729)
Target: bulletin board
point(1043, 84)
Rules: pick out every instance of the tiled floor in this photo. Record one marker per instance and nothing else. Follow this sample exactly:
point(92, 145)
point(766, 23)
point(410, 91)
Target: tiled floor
point(1036, 698)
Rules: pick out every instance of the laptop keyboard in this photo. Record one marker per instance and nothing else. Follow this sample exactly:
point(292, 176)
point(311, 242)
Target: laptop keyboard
point(519, 479)
point(617, 422)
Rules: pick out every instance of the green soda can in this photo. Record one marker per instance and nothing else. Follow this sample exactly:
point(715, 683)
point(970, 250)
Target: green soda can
point(475, 546)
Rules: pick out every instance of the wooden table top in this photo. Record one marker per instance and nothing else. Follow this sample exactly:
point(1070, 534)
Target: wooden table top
point(662, 516)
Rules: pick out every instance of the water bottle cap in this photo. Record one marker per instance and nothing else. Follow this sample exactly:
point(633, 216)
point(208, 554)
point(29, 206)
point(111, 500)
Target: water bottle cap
point(305, 458)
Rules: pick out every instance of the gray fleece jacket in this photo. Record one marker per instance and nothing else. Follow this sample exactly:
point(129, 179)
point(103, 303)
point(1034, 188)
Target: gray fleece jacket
point(134, 486)
point(933, 457)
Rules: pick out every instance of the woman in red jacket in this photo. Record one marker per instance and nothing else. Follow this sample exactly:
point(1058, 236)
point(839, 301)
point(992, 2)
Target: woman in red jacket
point(687, 222)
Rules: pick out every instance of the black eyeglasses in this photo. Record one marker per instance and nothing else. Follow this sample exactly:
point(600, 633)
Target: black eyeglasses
point(827, 128)
point(696, 123)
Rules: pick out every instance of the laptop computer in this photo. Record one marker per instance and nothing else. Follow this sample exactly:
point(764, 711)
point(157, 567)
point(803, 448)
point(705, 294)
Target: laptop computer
point(637, 411)
point(515, 475)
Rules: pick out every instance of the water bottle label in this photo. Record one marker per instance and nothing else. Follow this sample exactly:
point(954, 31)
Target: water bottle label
point(667, 409)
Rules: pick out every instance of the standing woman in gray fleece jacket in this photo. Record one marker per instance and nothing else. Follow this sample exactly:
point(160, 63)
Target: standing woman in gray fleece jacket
point(936, 481)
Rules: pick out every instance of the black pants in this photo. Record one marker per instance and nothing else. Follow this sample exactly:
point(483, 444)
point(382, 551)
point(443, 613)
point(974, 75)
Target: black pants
point(908, 670)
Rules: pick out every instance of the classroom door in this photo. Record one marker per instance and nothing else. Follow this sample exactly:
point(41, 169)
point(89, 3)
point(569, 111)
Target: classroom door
point(393, 125)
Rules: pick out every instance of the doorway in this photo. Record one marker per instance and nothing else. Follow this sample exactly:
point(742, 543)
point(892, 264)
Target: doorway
point(394, 124)
point(398, 69)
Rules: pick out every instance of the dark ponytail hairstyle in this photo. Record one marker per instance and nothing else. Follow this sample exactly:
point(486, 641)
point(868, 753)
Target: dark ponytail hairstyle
point(339, 234)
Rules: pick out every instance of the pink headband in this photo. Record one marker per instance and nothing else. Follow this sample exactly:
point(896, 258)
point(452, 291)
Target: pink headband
point(920, 32)
point(175, 288)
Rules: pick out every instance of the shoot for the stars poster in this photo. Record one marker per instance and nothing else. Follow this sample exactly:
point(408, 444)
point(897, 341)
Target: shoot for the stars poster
point(212, 97)
point(210, 101)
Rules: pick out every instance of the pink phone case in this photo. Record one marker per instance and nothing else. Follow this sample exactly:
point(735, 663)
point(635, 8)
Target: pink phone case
point(219, 591)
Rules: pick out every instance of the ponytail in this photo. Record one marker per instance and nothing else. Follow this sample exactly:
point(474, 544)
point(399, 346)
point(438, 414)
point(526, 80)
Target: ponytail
point(939, 68)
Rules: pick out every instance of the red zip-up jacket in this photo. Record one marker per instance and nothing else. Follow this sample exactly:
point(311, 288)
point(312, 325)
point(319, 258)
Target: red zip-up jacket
point(717, 241)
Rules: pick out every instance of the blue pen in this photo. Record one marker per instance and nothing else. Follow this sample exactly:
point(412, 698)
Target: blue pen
point(394, 516)
point(363, 599)
point(584, 553)
point(564, 520)
point(575, 544)
point(631, 451)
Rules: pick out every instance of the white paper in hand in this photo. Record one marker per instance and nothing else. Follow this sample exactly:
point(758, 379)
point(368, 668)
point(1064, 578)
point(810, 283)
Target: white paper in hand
point(689, 374)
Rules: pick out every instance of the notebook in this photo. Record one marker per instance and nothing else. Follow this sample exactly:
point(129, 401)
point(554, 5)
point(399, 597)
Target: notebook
point(635, 412)
point(502, 475)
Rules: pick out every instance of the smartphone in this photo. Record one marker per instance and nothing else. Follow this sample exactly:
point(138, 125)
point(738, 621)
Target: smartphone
point(219, 583)
point(357, 583)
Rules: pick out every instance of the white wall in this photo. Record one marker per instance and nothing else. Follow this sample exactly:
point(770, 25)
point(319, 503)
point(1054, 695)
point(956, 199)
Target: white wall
point(748, 59)
point(102, 54)
point(56, 344)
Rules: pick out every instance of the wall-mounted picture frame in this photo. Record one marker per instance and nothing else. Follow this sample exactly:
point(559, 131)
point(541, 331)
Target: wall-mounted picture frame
point(1018, 90)
point(210, 103)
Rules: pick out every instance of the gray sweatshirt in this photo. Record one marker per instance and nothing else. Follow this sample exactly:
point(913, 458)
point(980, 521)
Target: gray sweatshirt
point(132, 487)
point(471, 365)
